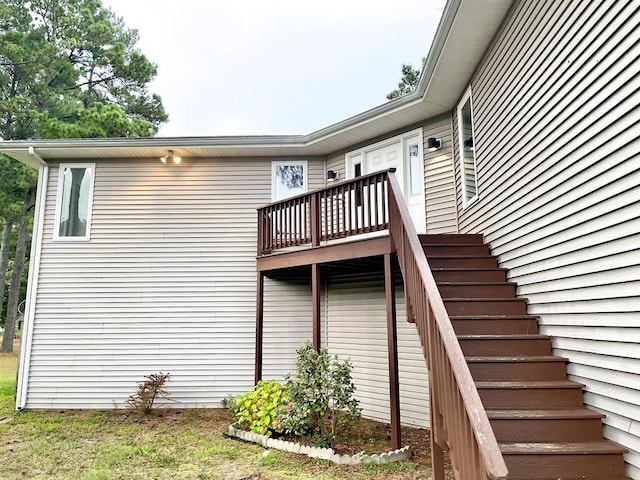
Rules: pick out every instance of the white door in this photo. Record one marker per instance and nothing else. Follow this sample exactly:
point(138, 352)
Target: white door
point(404, 153)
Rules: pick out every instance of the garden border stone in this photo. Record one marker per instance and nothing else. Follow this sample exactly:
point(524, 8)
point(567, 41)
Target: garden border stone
point(329, 454)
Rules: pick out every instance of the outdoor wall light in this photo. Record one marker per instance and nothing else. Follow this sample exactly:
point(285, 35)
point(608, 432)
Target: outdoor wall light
point(170, 157)
point(468, 143)
point(434, 144)
point(332, 175)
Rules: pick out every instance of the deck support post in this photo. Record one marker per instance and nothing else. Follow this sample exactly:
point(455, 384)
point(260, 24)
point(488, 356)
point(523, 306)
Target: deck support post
point(259, 326)
point(315, 295)
point(392, 343)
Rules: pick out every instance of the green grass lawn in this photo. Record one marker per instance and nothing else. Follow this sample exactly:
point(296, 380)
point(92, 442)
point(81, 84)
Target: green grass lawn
point(168, 445)
point(8, 366)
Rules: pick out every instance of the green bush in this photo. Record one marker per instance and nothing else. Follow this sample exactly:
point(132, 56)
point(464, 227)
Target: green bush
point(322, 397)
point(260, 410)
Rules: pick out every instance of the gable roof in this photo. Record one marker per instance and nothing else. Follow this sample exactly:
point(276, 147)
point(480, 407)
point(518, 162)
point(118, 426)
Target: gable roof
point(463, 35)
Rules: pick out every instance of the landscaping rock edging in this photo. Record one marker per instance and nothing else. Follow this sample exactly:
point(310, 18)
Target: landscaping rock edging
point(403, 453)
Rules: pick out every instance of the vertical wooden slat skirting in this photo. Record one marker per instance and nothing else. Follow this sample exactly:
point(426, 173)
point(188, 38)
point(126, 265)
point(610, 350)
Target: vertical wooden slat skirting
point(392, 342)
point(315, 294)
point(259, 326)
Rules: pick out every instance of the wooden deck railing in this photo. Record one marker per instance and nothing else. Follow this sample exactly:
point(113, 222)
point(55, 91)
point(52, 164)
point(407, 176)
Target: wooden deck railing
point(373, 203)
point(458, 419)
point(345, 209)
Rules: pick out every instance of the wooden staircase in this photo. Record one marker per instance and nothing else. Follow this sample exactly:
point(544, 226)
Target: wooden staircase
point(537, 414)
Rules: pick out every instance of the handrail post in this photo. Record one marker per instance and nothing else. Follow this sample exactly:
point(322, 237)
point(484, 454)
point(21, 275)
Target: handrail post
point(315, 220)
point(260, 232)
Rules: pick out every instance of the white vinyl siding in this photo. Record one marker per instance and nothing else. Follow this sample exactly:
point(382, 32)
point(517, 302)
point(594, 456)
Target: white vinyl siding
point(357, 329)
point(335, 162)
point(439, 179)
point(556, 108)
point(166, 283)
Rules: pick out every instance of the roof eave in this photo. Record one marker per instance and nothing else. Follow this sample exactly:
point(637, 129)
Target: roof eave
point(426, 100)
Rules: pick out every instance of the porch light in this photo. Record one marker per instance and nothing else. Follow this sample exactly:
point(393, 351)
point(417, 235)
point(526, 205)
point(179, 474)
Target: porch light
point(468, 143)
point(332, 175)
point(434, 144)
point(171, 158)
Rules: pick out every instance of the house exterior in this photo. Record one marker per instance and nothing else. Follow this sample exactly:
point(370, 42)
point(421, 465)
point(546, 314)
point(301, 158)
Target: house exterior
point(535, 108)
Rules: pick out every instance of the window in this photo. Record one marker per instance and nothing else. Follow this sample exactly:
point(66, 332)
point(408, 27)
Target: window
point(74, 201)
point(416, 173)
point(288, 179)
point(468, 169)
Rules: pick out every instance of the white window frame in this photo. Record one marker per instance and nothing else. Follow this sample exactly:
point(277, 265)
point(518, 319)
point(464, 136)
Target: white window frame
point(56, 227)
point(467, 201)
point(305, 176)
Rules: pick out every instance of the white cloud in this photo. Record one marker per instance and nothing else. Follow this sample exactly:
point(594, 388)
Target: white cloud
point(277, 67)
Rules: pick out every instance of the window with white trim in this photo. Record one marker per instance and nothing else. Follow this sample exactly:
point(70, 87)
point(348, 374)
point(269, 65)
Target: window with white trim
point(74, 201)
point(288, 179)
point(468, 167)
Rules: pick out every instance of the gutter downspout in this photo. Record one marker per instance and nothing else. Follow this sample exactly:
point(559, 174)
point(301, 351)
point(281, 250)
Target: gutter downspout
point(32, 282)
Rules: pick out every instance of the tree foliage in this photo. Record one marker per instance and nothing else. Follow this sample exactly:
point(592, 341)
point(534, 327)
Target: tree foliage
point(69, 68)
point(409, 80)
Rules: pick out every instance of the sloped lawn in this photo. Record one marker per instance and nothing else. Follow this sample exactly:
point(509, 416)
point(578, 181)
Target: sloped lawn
point(168, 445)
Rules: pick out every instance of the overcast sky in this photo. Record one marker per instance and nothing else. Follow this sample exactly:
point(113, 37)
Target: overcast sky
point(256, 67)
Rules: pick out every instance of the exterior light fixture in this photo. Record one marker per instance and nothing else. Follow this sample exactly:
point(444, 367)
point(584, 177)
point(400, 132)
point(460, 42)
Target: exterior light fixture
point(170, 157)
point(434, 144)
point(468, 143)
point(332, 175)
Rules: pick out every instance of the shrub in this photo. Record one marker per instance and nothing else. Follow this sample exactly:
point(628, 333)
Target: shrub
point(259, 410)
point(228, 402)
point(148, 392)
point(322, 396)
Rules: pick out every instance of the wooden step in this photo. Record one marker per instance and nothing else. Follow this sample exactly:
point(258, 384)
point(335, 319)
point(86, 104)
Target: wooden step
point(566, 461)
point(520, 368)
point(469, 274)
point(477, 289)
point(455, 238)
point(455, 249)
point(495, 345)
point(460, 261)
point(530, 394)
point(497, 324)
point(537, 414)
point(555, 425)
point(485, 306)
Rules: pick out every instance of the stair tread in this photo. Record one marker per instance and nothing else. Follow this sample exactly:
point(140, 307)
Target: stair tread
point(517, 358)
point(464, 269)
point(475, 284)
point(529, 384)
point(431, 244)
point(563, 448)
point(484, 299)
point(494, 317)
point(507, 336)
point(450, 255)
point(546, 414)
point(449, 237)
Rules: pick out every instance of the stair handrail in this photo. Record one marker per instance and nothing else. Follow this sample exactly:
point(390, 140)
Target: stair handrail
point(458, 418)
